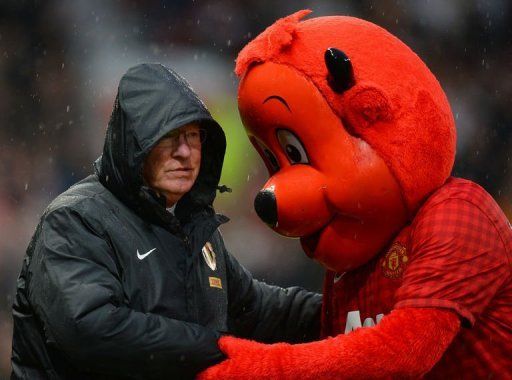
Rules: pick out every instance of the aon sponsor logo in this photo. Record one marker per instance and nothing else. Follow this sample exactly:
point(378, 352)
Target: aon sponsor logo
point(354, 321)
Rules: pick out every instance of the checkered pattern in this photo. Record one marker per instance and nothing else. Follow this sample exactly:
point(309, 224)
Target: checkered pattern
point(459, 255)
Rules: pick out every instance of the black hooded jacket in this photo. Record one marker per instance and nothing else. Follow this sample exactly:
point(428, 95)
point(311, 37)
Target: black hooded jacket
point(115, 286)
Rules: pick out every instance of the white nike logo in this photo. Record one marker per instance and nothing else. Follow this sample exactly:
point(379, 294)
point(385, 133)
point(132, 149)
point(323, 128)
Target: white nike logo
point(142, 257)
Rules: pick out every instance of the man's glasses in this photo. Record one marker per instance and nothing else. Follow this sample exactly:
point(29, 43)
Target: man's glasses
point(193, 137)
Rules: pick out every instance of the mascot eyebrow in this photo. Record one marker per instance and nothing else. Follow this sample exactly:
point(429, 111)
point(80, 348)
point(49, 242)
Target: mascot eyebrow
point(280, 99)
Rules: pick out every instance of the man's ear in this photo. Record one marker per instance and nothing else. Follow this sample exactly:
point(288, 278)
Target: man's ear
point(365, 105)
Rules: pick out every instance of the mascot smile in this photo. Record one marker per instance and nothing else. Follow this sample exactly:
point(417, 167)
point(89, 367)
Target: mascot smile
point(359, 140)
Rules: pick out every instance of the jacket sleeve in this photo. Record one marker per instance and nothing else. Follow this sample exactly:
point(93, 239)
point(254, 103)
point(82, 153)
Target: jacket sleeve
point(75, 288)
point(270, 313)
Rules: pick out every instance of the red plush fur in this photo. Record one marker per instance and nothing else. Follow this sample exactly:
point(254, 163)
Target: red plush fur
point(396, 105)
point(390, 349)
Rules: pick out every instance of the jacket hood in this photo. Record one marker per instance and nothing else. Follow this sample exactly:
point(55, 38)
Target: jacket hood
point(151, 101)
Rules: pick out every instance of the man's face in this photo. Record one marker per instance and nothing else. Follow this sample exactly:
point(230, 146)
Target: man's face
point(172, 166)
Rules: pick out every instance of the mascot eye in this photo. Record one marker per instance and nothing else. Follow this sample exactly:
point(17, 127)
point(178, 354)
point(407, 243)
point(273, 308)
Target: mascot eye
point(292, 146)
point(272, 159)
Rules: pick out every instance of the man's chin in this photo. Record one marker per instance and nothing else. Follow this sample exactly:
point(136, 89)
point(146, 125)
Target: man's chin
point(181, 190)
point(177, 187)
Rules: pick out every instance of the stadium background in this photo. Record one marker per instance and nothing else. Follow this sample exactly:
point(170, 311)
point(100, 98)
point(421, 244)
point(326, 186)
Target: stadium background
point(60, 62)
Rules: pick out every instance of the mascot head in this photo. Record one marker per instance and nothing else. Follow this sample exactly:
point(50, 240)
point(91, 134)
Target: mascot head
point(353, 127)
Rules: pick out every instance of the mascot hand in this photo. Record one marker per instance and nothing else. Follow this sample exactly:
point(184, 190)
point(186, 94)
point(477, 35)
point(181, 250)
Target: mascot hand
point(406, 343)
point(247, 359)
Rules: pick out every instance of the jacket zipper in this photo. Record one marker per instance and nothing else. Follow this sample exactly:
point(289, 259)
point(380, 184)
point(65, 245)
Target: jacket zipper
point(186, 241)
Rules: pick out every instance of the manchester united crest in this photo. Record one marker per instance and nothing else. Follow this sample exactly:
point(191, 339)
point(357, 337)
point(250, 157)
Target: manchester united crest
point(209, 256)
point(394, 261)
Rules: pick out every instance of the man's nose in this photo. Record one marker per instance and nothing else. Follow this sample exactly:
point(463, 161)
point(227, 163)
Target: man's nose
point(182, 149)
point(266, 207)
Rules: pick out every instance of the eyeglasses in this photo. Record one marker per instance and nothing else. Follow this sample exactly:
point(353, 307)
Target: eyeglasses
point(193, 137)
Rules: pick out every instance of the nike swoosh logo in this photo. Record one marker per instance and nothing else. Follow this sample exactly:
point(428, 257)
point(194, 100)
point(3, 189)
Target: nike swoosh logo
point(338, 277)
point(142, 257)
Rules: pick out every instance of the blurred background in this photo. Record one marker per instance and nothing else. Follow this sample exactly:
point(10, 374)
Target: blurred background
point(60, 62)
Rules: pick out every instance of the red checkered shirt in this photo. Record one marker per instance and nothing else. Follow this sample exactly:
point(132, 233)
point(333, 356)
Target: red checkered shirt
point(456, 254)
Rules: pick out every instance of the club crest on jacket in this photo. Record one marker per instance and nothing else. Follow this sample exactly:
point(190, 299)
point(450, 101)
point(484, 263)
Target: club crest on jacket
point(209, 256)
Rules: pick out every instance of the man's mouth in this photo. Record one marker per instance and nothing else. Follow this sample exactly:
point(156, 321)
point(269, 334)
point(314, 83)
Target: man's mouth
point(180, 170)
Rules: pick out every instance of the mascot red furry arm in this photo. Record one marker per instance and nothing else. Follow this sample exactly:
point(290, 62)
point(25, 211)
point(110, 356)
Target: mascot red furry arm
point(391, 349)
point(359, 141)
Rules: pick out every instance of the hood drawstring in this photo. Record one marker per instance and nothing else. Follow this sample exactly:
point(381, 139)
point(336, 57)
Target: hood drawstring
point(224, 189)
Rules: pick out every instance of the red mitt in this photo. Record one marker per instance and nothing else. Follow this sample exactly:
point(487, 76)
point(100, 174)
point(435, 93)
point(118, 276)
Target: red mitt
point(407, 343)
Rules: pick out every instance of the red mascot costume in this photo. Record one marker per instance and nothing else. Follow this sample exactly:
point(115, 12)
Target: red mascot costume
point(359, 140)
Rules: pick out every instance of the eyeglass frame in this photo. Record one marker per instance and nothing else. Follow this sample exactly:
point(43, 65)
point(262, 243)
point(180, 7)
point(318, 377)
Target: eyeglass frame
point(174, 138)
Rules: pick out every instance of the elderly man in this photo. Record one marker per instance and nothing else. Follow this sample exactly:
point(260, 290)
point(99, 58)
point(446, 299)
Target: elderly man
point(127, 275)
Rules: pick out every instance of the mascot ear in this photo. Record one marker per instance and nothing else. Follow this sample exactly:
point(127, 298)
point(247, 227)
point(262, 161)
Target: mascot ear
point(366, 105)
point(341, 74)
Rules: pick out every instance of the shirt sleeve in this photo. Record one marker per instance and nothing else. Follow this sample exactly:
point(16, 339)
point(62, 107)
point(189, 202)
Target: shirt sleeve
point(457, 260)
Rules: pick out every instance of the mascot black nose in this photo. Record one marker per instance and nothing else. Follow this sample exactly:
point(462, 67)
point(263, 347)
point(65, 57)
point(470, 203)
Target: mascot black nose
point(266, 207)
